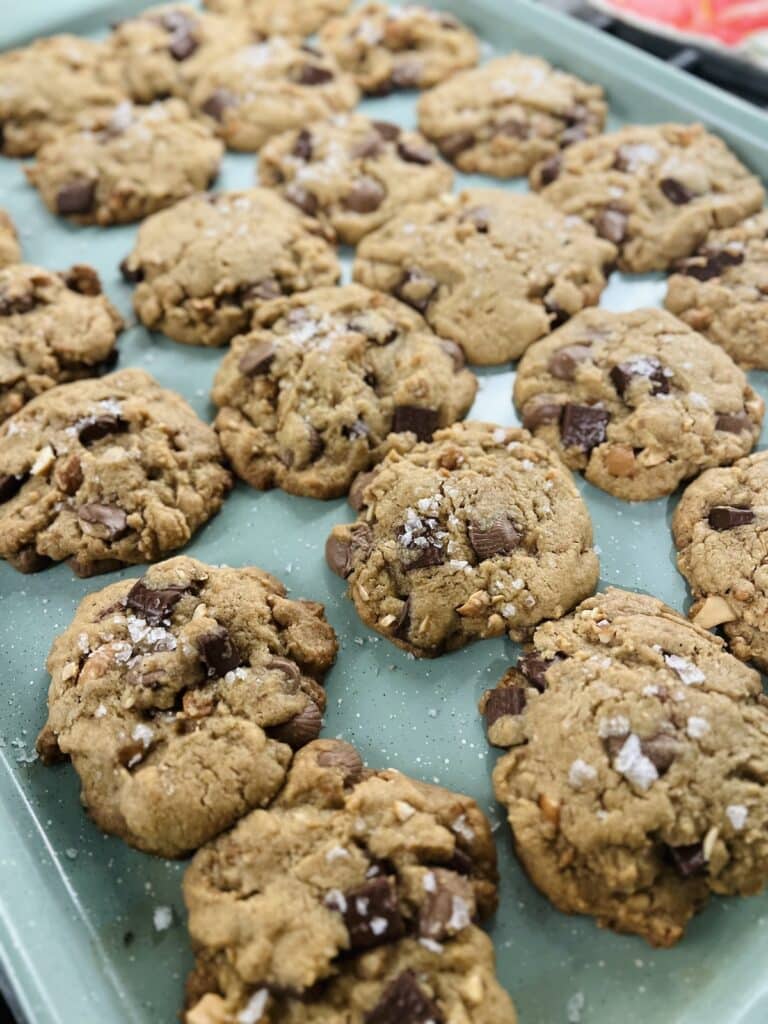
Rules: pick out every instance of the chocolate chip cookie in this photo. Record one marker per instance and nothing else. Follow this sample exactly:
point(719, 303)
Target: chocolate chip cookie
point(353, 173)
point(507, 115)
point(163, 51)
point(54, 328)
point(655, 191)
point(491, 270)
point(270, 87)
point(179, 697)
point(391, 47)
point(281, 17)
point(10, 251)
point(106, 473)
point(718, 531)
point(479, 533)
point(45, 85)
point(638, 401)
point(722, 291)
point(636, 780)
point(129, 162)
point(203, 267)
point(326, 382)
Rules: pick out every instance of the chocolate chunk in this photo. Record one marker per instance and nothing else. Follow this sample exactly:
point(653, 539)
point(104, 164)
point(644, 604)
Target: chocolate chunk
point(303, 198)
point(182, 44)
point(361, 481)
point(402, 624)
point(415, 152)
point(647, 367)
point(460, 862)
point(301, 729)
point(504, 700)
point(550, 169)
point(11, 484)
point(514, 129)
point(109, 516)
point(69, 474)
point(217, 103)
point(217, 652)
point(289, 668)
point(447, 907)
point(76, 197)
point(311, 74)
point(426, 557)
point(557, 315)
point(316, 442)
point(417, 419)
point(534, 668)
point(688, 860)
point(346, 758)
point(540, 410)
point(404, 1002)
point(563, 363)
point(82, 279)
point(302, 147)
point(709, 264)
point(257, 360)
point(365, 196)
point(341, 553)
point(583, 426)
point(479, 216)
point(371, 914)
point(372, 145)
point(130, 274)
point(455, 143)
point(455, 352)
point(269, 288)
point(13, 305)
point(733, 422)
point(574, 133)
point(676, 192)
point(355, 431)
point(612, 225)
point(498, 538)
point(29, 560)
point(416, 289)
point(661, 750)
point(727, 517)
point(97, 427)
point(154, 606)
point(387, 130)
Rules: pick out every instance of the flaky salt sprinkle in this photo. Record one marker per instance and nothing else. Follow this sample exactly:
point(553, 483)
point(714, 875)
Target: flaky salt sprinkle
point(632, 763)
point(615, 725)
point(737, 814)
point(336, 853)
point(689, 673)
point(580, 773)
point(462, 828)
point(431, 945)
point(696, 727)
point(254, 1008)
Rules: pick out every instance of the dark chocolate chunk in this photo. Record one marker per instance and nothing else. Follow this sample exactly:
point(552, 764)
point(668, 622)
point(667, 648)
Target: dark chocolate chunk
point(676, 192)
point(415, 152)
point(217, 652)
point(355, 496)
point(154, 606)
point(302, 147)
point(82, 279)
point(183, 44)
point(727, 517)
point(455, 143)
point(540, 410)
point(563, 363)
point(504, 700)
point(534, 668)
point(583, 426)
point(514, 129)
point(365, 196)
point(311, 74)
point(416, 289)
point(688, 860)
point(11, 484)
point(217, 103)
point(497, 538)
point(445, 909)
point(341, 553)
point(550, 169)
point(21, 302)
point(647, 367)
point(269, 288)
point(402, 624)
point(76, 197)
point(733, 422)
point(371, 914)
point(426, 557)
point(460, 862)
point(387, 130)
point(303, 198)
point(257, 360)
point(301, 729)
point(612, 225)
point(371, 145)
point(480, 216)
point(558, 316)
point(574, 133)
point(455, 352)
point(709, 264)
point(131, 274)
point(97, 427)
point(417, 419)
point(347, 759)
point(661, 750)
point(404, 1002)
point(109, 516)
point(289, 668)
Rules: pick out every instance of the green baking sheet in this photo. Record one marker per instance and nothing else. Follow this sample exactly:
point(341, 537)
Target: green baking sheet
point(77, 909)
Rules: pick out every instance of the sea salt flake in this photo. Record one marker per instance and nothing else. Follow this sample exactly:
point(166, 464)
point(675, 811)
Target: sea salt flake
point(142, 734)
point(696, 727)
point(632, 763)
point(254, 1008)
point(580, 773)
point(462, 828)
point(379, 925)
point(689, 673)
point(460, 917)
point(615, 725)
point(336, 853)
point(431, 945)
point(737, 815)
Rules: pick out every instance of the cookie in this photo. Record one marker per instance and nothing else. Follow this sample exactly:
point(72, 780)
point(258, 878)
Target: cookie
point(722, 291)
point(635, 783)
point(390, 47)
point(128, 163)
point(105, 473)
point(10, 251)
point(638, 401)
point(271, 87)
point(163, 51)
point(45, 85)
point(54, 328)
point(282, 17)
point(327, 382)
point(179, 697)
point(718, 532)
point(204, 266)
point(491, 270)
point(352, 173)
point(507, 115)
point(479, 533)
point(346, 860)
point(655, 191)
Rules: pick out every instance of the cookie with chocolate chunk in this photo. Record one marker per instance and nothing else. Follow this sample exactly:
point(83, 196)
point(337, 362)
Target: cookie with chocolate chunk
point(722, 291)
point(638, 401)
point(129, 162)
point(655, 191)
point(180, 696)
point(391, 47)
point(327, 382)
point(478, 533)
point(491, 270)
point(204, 266)
point(10, 251)
point(352, 173)
point(509, 114)
point(635, 781)
point(54, 328)
point(105, 473)
point(281, 17)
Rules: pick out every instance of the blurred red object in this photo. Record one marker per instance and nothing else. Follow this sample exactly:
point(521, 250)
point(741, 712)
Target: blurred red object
point(729, 21)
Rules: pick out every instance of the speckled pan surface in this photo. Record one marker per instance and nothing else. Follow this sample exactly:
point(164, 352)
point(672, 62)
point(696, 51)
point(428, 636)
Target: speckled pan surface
point(77, 909)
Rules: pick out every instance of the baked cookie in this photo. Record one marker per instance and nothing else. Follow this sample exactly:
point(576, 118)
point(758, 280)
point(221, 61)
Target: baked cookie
point(54, 328)
point(162, 51)
point(491, 270)
point(327, 382)
point(46, 85)
point(719, 536)
point(505, 116)
point(353, 173)
point(178, 698)
point(638, 401)
point(106, 473)
point(282, 17)
point(203, 267)
point(636, 782)
point(390, 47)
point(346, 860)
point(10, 251)
point(267, 88)
point(722, 291)
point(128, 163)
point(655, 191)
point(479, 533)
